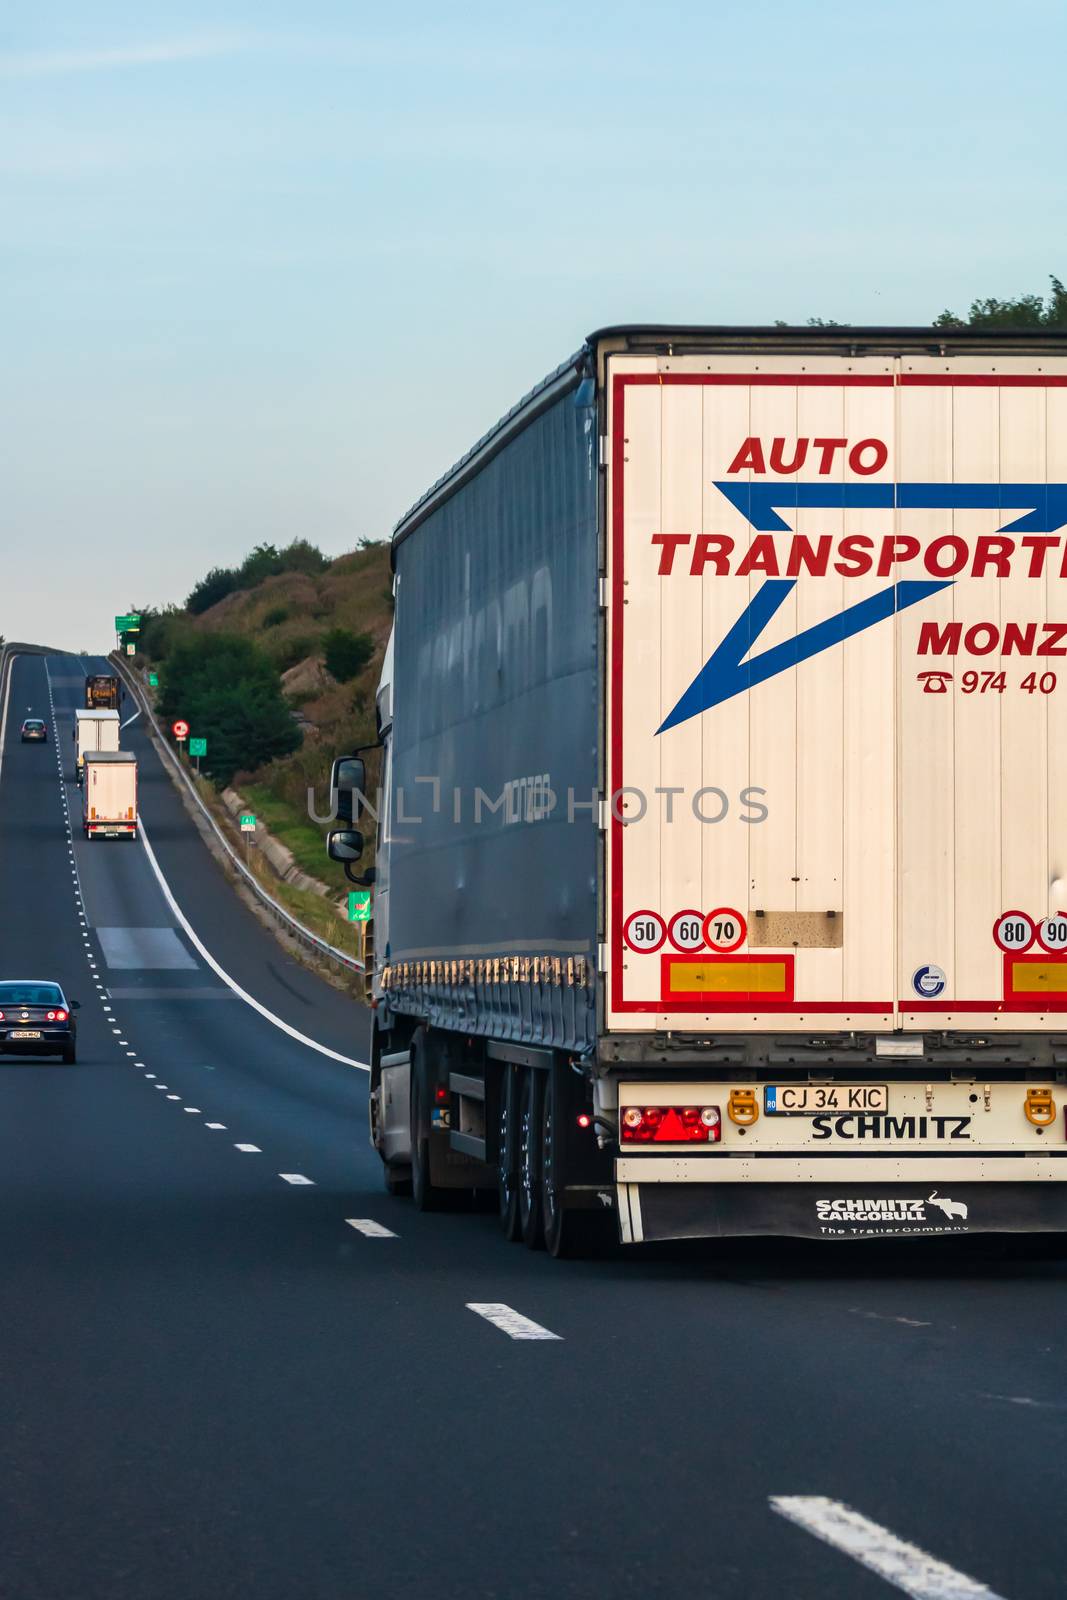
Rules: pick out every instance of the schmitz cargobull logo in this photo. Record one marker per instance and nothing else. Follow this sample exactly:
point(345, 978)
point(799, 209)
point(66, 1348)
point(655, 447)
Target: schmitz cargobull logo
point(891, 1214)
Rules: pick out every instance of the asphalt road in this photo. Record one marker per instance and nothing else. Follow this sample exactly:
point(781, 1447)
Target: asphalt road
point(212, 1385)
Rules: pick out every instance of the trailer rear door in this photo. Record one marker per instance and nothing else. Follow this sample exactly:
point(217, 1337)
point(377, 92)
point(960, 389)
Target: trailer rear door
point(837, 693)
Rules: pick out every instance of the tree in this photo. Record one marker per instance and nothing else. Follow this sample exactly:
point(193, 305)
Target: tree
point(345, 653)
point(229, 692)
point(1028, 311)
point(218, 583)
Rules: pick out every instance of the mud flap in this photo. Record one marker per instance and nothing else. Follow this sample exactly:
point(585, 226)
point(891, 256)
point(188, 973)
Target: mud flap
point(827, 1211)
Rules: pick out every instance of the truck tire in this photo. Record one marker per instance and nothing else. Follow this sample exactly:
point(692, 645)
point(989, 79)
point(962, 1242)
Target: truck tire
point(397, 1180)
point(568, 1234)
point(425, 1195)
point(530, 1198)
point(508, 1155)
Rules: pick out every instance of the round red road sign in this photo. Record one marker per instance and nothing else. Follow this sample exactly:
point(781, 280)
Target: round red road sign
point(644, 932)
point(1014, 932)
point(685, 930)
point(1052, 933)
point(180, 729)
point(725, 929)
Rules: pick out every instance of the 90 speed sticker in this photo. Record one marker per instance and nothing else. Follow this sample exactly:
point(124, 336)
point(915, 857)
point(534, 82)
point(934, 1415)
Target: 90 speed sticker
point(1052, 934)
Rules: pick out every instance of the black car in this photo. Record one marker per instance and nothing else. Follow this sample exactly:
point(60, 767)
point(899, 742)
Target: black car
point(34, 728)
point(36, 1019)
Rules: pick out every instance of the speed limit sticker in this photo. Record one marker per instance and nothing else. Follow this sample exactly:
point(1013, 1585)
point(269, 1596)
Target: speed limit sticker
point(686, 930)
point(1052, 934)
point(1014, 931)
point(725, 929)
point(644, 931)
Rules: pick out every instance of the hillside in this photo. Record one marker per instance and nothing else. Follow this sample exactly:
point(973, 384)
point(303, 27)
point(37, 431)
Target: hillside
point(289, 617)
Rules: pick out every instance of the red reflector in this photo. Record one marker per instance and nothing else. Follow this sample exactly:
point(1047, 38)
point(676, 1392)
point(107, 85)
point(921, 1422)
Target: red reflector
point(586, 1121)
point(670, 1125)
point(440, 1094)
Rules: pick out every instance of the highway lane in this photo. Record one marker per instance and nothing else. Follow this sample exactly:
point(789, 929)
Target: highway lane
point(214, 1385)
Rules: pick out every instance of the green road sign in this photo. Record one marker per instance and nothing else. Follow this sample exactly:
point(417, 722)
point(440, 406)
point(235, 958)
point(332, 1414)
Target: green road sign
point(128, 624)
point(359, 905)
point(248, 821)
point(198, 747)
point(153, 680)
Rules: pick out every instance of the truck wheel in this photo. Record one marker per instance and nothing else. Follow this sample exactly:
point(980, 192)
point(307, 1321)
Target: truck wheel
point(397, 1180)
point(508, 1155)
point(530, 1199)
point(423, 1192)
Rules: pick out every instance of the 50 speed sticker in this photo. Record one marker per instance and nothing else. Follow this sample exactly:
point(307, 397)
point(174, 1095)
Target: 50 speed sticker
point(645, 932)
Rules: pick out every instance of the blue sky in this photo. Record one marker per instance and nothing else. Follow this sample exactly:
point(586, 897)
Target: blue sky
point(266, 270)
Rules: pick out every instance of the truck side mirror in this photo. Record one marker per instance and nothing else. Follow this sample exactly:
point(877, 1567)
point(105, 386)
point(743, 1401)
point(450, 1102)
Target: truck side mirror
point(348, 779)
point(344, 844)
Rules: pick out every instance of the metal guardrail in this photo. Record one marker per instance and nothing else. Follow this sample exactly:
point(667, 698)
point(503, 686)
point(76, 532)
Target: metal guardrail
point(278, 911)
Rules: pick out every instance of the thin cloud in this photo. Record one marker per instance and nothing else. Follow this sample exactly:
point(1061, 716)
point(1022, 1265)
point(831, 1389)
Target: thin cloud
point(55, 63)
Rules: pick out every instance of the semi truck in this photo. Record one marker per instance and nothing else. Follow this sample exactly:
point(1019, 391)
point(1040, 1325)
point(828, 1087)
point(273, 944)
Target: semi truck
point(103, 692)
point(721, 878)
point(93, 730)
point(109, 795)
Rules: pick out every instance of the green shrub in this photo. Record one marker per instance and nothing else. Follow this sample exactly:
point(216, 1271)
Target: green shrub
point(345, 653)
point(275, 615)
point(219, 582)
point(285, 653)
point(228, 691)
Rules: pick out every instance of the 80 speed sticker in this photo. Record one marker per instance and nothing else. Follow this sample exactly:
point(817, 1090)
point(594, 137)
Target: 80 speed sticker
point(1014, 932)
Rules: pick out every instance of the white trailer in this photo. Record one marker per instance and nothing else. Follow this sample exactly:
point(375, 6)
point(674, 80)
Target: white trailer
point(94, 730)
point(761, 638)
point(109, 795)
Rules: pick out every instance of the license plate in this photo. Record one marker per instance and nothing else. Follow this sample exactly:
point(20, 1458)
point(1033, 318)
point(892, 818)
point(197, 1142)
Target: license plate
point(812, 1099)
point(25, 1033)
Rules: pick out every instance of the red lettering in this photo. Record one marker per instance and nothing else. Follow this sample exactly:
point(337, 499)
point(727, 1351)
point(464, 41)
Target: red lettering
point(1018, 641)
point(992, 552)
point(802, 553)
point(828, 449)
point(935, 640)
point(1038, 548)
point(976, 631)
point(716, 548)
point(855, 556)
point(749, 455)
point(894, 550)
point(958, 553)
point(800, 455)
point(1050, 644)
point(761, 556)
point(856, 454)
point(669, 543)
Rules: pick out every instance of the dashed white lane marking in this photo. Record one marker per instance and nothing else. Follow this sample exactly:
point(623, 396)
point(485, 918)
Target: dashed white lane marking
point(214, 1125)
point(902, 1564)
point(201, 948)
point(252, 1149)
point(513, 1323)
point(296, 1177)
point(141, 1064)
point(191, 1111)
point(174, 1097)
point(370, 1228)
point(132, 1053)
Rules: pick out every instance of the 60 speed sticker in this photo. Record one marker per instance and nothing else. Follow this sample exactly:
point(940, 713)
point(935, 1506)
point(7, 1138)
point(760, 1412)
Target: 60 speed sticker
point(686, 931)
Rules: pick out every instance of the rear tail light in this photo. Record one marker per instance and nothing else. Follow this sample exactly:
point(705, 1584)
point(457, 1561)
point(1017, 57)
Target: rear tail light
point(671, 1125)
point(1, 1016)
point(57, 1016)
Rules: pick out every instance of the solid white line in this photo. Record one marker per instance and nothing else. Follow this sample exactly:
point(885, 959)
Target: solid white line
point(296, 1177)
point(243, 994)
point(371, 1229)
point(513, 1323)
point(126, 724)
point(252, 1149)
point(902, 1564)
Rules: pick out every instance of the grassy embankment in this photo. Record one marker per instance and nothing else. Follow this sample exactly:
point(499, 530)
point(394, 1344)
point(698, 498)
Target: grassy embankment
point(288, 617)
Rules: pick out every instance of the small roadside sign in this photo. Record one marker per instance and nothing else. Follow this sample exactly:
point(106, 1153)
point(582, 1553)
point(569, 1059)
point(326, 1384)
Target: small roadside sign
point(153, 680)
point(131, 649)
point(198, 747)
point(359, 907)
point(180, 729)
point(248, 822)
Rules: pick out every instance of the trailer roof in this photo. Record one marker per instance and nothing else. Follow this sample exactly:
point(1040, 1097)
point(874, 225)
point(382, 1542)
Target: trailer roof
point(683, 338)
point(110, 755)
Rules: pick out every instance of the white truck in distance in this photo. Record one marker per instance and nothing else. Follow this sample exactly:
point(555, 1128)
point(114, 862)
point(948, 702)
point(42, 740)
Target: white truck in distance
point(109, 795)
point(94, 730)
